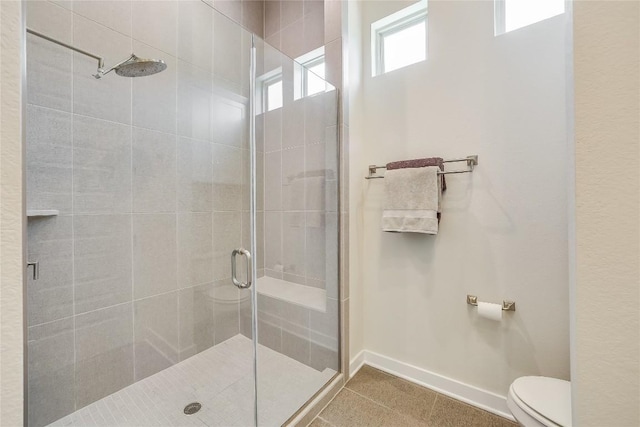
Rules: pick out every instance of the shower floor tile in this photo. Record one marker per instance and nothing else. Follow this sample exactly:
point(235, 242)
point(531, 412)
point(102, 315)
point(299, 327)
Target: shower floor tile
point(221, 379)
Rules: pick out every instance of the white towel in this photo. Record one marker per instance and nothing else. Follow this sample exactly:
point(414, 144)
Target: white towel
point(412, 200)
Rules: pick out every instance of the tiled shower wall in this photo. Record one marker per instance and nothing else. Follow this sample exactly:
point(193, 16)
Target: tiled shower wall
point(150, 178)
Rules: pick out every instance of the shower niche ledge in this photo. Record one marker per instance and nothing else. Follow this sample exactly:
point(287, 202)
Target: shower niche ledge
point(41, 213)
point(305, 296)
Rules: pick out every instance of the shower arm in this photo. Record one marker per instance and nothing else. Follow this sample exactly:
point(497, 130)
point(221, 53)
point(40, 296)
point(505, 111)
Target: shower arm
point(100, 60)
point(102, 72)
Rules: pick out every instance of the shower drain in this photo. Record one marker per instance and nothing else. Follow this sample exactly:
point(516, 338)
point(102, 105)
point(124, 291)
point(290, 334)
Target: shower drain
point(192, 408)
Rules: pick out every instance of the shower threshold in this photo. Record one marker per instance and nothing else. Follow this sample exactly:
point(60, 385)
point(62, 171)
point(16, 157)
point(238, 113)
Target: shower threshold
point(221, 380)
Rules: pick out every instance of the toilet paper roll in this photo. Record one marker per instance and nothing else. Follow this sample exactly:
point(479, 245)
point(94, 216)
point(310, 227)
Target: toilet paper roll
point(490, 311)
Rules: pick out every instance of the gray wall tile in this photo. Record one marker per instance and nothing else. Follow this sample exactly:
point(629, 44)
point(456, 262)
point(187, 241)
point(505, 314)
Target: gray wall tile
point(246, 179)
point(293, 179)
point(246, 237)
point(293, 123)
point(154, 171)
point(195, 175)
point(156, 24)
point(195, 249)
point(260, 181)
point(321, 357)
point(315, 259)
point(107, 98)
point(101, 166)
point(51, 19)
point(230, 8)
point(196, 319)
point(271, 17)
point(156, 334)
point(331, 254)
point(313, 26)
point(229, 121)
point(253, 16)
point(195, 90)
point(104, 353)
point(293, 242)
point(273, 130)
point(227, 178)
point(195, 33)
point(102, 261)
point(51, 372)
point(270, 335)
point(226, 237)
point(333, 61)
point(226, 310)
point(273, 240)
point(273, 181)
point(325, 323)
point(315, 119)
point(292, 35)
point(296, 347)
point(112, 14)
point(333, 20)
point(49, 159)
point(227, 43)
point(313, 6)
point(290, 12)
point(154, 97)
point(50, 243)
point(154, 254)
point(49, 69)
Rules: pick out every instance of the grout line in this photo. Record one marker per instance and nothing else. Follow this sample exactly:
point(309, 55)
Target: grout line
point(319, 417)
point(175, 194)
point(433, 407)
point(73, 247)
point(131, 238)
point(371, 400)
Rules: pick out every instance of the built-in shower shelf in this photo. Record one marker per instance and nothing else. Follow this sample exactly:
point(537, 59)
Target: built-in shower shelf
point(42, 213)
point(306, 296)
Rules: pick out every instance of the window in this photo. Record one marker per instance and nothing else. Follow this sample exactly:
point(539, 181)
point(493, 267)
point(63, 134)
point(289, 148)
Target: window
point(513, 14)
point(309, 74)
point(314, 77)
point(400, 39)
point(272, 93)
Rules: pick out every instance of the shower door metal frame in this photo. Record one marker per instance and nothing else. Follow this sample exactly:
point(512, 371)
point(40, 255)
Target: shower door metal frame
point(252, 221)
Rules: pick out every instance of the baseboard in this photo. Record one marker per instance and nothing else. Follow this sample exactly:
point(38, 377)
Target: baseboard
point(472, 395)
point(356, 363)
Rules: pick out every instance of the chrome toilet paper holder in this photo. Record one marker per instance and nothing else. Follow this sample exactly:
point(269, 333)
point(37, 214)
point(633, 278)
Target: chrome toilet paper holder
point(506, 305)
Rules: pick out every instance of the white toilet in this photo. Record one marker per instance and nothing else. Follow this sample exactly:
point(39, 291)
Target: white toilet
point(540, 402)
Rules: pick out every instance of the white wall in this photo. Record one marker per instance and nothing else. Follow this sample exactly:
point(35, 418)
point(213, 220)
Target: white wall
point(503, 233)
point(11, 215)
point(606, 375)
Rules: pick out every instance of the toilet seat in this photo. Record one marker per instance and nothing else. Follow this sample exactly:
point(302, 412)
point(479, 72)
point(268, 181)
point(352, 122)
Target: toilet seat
point(541, 401)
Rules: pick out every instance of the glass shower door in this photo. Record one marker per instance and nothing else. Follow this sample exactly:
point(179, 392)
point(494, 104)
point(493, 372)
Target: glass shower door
point(297, 213)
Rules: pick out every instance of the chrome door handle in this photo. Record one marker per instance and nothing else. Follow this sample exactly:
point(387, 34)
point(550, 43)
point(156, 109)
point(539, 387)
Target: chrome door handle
point(234, 278)
point(36, 269)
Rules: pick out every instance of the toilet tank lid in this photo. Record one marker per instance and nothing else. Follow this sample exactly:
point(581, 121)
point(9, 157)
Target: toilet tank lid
point(550, 397)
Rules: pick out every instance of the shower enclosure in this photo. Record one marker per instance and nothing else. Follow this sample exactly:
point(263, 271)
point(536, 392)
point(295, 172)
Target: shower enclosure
point(140, 189)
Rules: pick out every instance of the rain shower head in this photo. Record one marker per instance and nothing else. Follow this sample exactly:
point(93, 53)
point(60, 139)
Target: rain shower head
point(139, 67)
point(135, 67)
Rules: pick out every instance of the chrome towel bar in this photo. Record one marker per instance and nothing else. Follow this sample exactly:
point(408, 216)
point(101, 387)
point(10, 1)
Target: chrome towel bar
point(470, 160)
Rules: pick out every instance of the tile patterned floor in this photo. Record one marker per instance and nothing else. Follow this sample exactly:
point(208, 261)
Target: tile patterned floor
point(374, 398)
point(221, 379)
